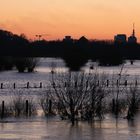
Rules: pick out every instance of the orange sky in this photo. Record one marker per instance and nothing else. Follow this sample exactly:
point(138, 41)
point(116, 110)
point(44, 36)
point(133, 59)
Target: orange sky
point(96, 19)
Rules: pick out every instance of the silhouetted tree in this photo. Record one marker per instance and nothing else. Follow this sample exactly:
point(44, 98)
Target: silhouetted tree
point(133, 100)
point(26, 63)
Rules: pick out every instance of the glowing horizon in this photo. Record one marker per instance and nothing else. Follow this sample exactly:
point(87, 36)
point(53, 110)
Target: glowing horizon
point(95, 19)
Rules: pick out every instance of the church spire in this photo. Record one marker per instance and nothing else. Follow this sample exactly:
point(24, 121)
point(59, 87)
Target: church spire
point(133, 30)
point(132, 39)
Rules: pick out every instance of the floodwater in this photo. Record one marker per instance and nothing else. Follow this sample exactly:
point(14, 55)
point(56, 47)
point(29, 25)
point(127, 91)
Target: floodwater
point(40, 128)
point(54, 129)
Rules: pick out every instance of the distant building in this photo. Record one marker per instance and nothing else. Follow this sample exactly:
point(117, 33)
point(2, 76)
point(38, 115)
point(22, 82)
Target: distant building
point(68, 39)
point(120, 39)
point(83, 40)
point(132, 39)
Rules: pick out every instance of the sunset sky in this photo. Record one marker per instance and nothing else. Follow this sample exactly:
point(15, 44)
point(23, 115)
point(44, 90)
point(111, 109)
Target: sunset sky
point(95, 19)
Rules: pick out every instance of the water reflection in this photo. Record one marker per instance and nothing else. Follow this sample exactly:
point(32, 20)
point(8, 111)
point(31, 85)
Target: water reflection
point(55, 129)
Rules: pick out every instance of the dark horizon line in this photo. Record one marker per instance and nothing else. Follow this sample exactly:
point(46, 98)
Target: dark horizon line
point(59, 39)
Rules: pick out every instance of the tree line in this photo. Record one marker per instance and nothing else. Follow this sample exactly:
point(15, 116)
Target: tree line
point(75, 52)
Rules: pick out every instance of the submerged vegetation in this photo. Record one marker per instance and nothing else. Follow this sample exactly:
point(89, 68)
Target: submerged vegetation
point(79, 96)
point(26, 64)
point(22, 64)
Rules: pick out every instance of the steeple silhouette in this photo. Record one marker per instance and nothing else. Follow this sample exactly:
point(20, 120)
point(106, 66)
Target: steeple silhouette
point(132, 39)
point(133, 34)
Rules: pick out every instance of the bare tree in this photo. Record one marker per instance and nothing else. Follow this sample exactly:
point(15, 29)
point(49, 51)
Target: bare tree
point(71, 91)
point(26, 63)
point(133, 100)
point(32, 63)
point(79, 95)
point(96, 98)
point(46, 103)
point(118, 90)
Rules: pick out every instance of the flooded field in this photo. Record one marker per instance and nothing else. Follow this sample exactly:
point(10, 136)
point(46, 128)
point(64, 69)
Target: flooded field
point(54, 129)
point(41, 128)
